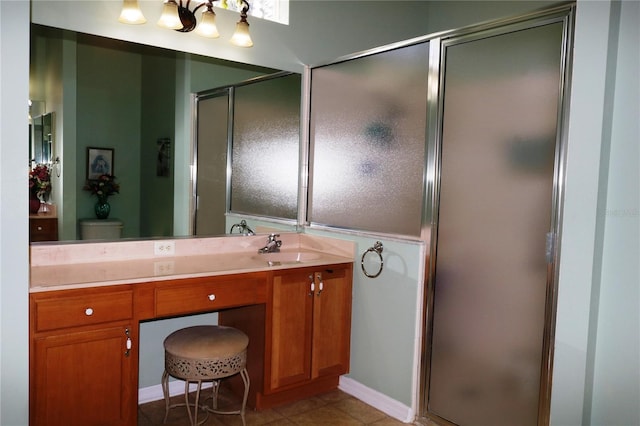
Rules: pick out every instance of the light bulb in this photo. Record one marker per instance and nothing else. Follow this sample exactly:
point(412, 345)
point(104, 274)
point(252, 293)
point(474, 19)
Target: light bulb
point(170, 18)
point(207, 26)
point(241, 36)
point(131, 13)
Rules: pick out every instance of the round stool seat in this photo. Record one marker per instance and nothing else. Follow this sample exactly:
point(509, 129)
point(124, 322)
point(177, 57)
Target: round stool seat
point(205, 352)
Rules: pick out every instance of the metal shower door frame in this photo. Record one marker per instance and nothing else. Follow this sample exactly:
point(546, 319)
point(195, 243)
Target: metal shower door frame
point(561, 14)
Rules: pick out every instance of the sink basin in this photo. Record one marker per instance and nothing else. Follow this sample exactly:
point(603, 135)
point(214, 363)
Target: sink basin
point(287, 257)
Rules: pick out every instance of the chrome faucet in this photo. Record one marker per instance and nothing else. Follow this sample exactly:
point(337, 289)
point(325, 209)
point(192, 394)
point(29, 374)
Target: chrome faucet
point(243, 227)
point(273, 244)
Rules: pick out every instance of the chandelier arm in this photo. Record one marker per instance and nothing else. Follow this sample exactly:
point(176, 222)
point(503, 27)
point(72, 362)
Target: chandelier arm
point(245, 7)
point(204, 3)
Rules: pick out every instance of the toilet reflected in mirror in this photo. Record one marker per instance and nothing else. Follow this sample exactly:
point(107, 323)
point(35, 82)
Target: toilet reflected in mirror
point(101, 229)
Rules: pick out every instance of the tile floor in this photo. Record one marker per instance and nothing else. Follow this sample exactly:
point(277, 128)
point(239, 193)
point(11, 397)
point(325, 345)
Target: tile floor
point(332, 408)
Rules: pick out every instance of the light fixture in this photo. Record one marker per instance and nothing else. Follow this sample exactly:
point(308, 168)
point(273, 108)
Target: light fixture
point(131, 13)
point(176, 15)
point(207, 26)
point(241, 36)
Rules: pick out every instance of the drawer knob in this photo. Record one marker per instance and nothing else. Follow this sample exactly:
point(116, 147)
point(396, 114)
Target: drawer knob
point(212, 297)
point(88, 312)
point(39, 228)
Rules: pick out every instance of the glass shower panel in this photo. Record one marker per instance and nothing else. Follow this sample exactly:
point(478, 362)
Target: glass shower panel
point(367, 128)
point(266, 138)
point(496, 185)
point(211, 189)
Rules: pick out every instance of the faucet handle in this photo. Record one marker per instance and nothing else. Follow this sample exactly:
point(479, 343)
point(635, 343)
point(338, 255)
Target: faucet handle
point(245, 228)
point(273, 238)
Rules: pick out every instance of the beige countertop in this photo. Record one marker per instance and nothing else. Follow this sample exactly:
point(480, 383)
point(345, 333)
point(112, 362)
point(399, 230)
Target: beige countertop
point(65, 266)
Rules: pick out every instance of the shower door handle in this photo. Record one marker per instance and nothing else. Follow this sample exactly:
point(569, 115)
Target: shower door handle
point(550, 246)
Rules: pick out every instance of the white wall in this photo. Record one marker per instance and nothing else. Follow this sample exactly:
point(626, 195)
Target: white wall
point(578, 249)
point(287, 48)
point(14, 236)
point(615, 344)
point(590, 284)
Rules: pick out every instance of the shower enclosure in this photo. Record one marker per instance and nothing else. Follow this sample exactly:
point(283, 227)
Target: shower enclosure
point(457, 140)
point(497, 161)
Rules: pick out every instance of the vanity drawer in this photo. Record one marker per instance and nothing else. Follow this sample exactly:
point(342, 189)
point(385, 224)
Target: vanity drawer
point(79, 310)
point(43, 229)
point(209, 294)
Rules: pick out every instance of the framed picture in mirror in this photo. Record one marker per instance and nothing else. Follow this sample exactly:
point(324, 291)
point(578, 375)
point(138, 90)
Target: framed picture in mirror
point(99, 162)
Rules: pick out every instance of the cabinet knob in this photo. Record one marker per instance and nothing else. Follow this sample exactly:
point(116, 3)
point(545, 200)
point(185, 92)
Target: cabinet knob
point(88, 312)
point(39, 228)
point(211, 297)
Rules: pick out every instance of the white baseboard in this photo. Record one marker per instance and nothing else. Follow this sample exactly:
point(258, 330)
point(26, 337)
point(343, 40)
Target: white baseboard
point(377, 400)
point(176, 387)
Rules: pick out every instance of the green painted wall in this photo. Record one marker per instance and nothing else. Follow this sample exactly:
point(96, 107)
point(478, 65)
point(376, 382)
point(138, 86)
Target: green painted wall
point(108, 116)
point(157, 122)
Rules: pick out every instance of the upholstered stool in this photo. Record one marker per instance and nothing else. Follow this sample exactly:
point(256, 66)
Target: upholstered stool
point(201, 354)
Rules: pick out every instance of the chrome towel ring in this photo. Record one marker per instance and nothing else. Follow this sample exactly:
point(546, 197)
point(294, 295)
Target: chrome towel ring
point(377, 248)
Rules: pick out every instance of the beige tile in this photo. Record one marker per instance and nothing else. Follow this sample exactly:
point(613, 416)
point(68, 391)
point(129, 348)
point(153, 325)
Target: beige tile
point(324, 416)
point(301, 406)
point(359, 410)
point(387, 421)
point(334, 396)
point(282, 422)
point(331, 408)
point(143, 420)
point(253, 418)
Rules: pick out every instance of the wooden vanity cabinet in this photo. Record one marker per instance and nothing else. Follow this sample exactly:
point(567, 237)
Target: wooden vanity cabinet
point(83, 360)
point(83, 363)
point(308, 343)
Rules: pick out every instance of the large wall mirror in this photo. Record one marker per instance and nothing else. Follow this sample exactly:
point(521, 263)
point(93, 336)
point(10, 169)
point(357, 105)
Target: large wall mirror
point(136, 102)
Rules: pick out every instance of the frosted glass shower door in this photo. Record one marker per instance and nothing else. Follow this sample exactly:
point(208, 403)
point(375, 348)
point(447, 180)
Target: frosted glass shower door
point(495, 207)
point(211, 183)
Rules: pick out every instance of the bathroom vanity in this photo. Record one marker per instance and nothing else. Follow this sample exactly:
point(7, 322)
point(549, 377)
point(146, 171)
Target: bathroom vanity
point(295, 306)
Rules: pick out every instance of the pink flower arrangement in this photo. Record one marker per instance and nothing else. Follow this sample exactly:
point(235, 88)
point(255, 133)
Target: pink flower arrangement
point(102, 187)
point(40, 181)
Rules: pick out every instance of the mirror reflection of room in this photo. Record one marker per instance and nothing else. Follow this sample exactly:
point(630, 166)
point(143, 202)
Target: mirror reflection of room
point(124, 97)
point(42, 166)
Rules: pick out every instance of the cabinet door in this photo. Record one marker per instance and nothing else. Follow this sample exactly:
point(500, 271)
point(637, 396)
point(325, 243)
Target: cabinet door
point(291, 328)
point(331, 322)
point(84, 378)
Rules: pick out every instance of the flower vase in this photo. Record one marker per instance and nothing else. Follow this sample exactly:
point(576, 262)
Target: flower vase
point(102, 208)
point(34, 204)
